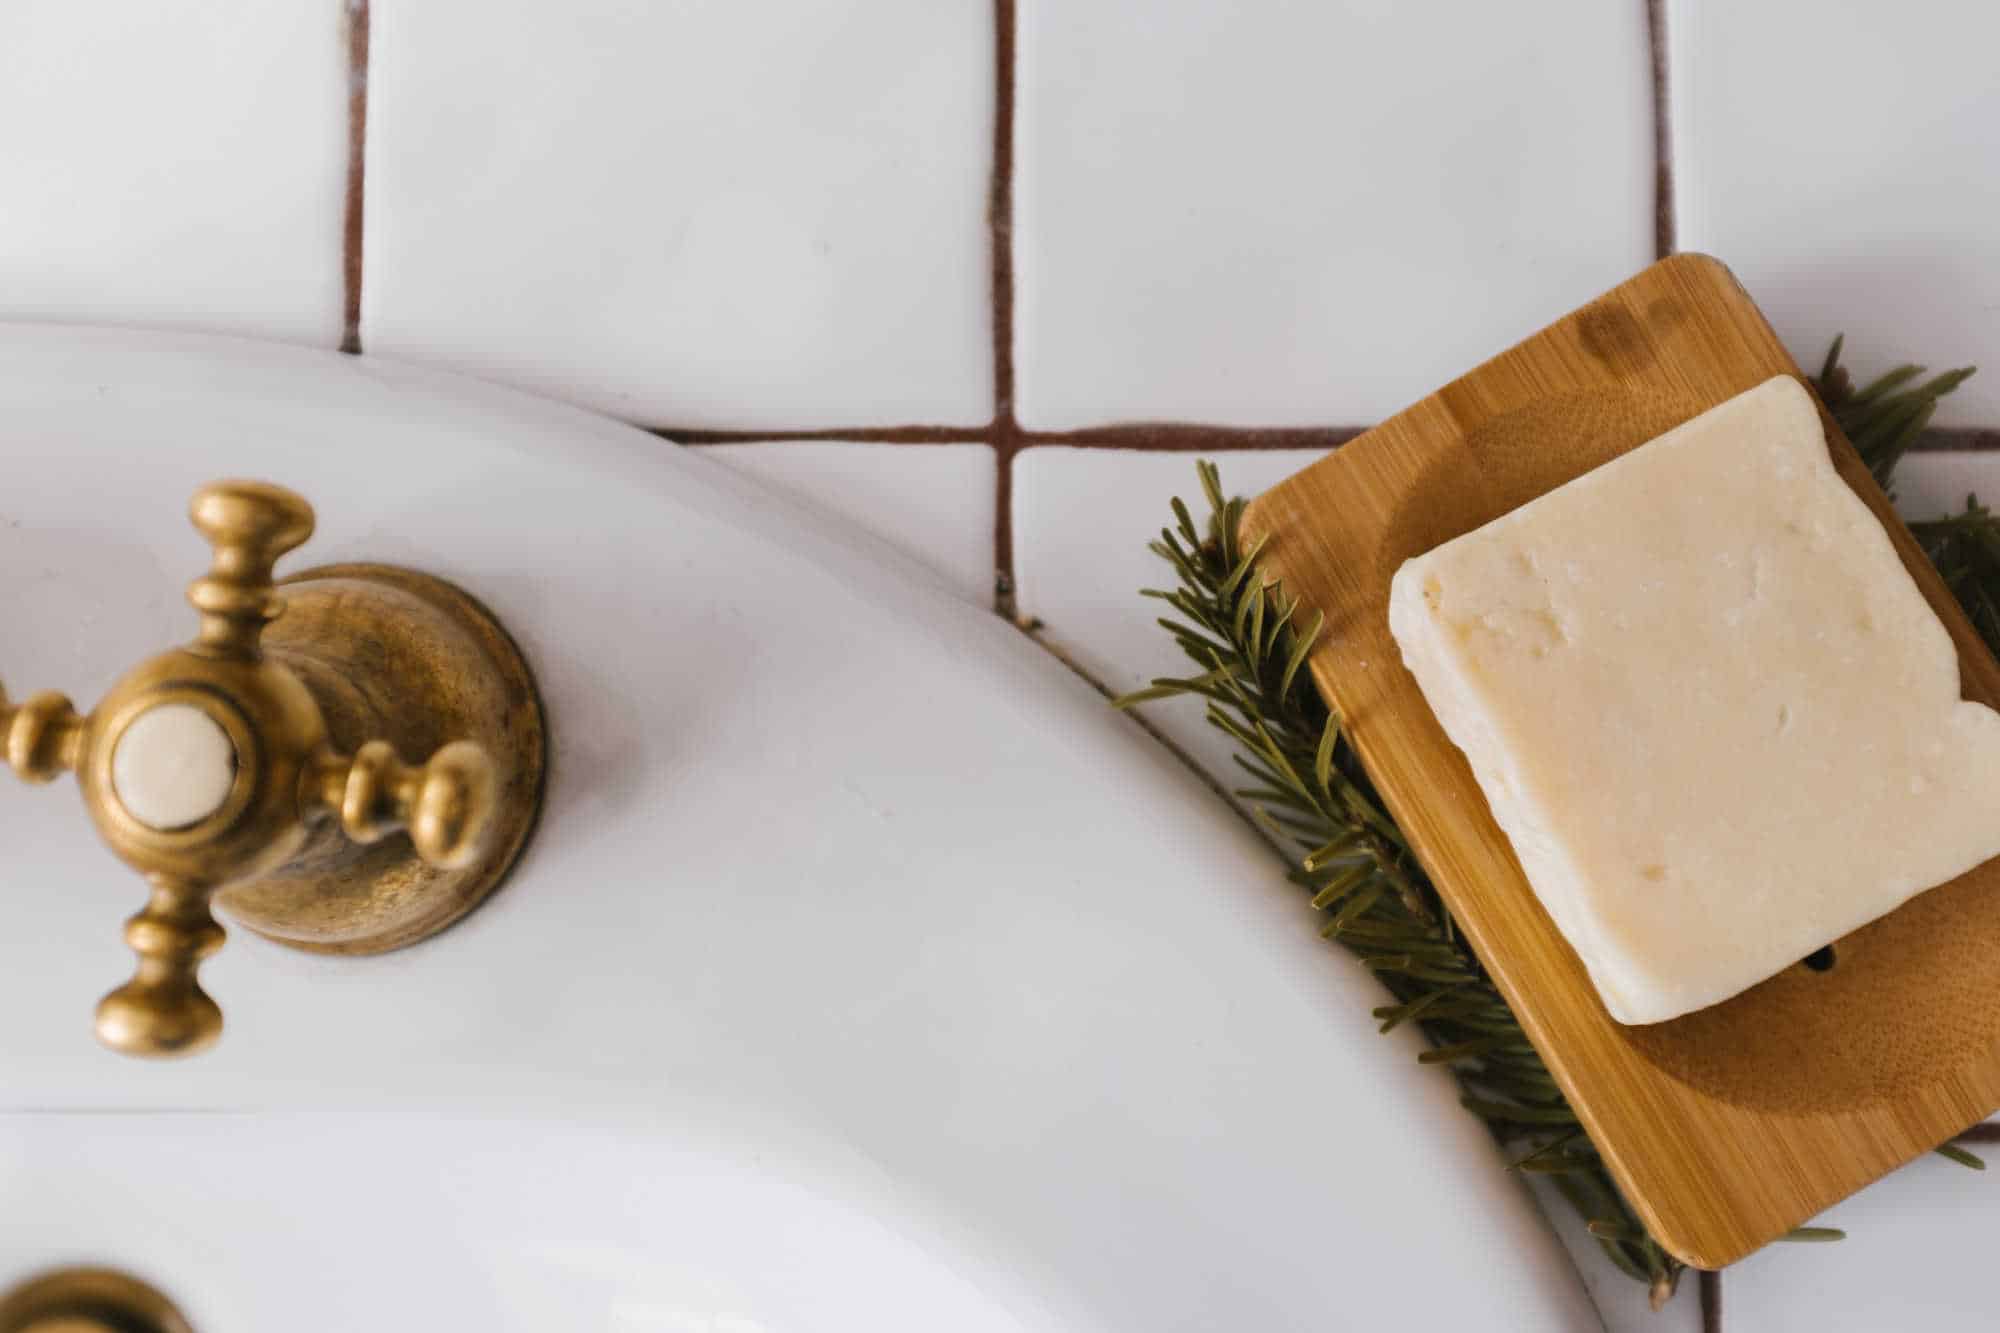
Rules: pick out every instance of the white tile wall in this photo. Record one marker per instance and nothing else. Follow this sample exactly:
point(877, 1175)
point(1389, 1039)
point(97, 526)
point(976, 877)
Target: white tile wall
point(1917, 1257)
point(703, 214)
point(178, 166)
point(1931, 484)
point(1314, 211)
point(931, 502)
point(1840, 156)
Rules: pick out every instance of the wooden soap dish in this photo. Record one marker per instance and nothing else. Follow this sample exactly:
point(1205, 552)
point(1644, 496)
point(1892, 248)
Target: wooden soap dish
point(1730, 1126)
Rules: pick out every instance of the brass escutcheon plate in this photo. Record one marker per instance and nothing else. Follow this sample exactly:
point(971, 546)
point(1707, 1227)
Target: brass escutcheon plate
point(88, 1300)
point(394, 654)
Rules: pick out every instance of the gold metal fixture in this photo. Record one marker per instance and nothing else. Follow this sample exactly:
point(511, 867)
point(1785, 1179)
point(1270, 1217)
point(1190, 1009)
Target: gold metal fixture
point(88, 1300)
point(262, 765)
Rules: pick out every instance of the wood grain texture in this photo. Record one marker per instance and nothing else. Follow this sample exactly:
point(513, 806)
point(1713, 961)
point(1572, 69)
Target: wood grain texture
point(1730, 1126)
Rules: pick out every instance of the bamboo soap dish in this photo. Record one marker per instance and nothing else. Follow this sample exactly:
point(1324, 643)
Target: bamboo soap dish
point(1729, 1126)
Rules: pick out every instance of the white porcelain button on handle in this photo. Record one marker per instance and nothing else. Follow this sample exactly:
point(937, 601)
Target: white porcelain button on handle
point(173, 767)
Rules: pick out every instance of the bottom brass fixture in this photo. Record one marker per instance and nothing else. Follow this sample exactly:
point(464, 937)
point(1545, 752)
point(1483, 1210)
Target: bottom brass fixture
point(88, 1300)
point(267, 764)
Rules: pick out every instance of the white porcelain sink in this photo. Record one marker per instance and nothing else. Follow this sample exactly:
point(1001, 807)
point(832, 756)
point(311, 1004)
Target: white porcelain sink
point(866, 972)
point(282, 1221)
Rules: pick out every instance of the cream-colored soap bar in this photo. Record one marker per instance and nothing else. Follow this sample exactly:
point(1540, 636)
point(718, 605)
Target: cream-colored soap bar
point(1708, 705)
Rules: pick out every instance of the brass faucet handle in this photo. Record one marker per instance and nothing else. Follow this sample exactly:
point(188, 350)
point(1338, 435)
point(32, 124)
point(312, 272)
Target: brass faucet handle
point(228, 769)
point(186, 854)
point(42, 736)
point(162, 1010)
point(250, 525)
point(447, 805)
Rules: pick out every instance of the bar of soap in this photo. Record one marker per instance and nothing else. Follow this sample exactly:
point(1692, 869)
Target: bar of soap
point(1707, 704)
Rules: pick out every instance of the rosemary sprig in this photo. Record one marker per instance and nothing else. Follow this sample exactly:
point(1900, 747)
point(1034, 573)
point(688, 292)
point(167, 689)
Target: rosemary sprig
point(1884, 419)
point(1249, 641)
point(1966, 550)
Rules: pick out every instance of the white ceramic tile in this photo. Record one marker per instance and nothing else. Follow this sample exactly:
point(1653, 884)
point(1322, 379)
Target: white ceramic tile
point(708, 213)
point(932, 502)
point(1296, 211)
point(1930, 484)
point(180, 166)
point(1840, 159)
point(1082, 521)
point(1918, 1255)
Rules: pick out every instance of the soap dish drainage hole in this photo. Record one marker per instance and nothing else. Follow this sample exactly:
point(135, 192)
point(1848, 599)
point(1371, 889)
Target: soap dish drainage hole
point(1820, 959)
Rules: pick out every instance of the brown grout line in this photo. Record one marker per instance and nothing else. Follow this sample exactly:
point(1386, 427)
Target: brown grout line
point(1958, 439)
point(1005, 596)
point(1166, 437)
point(1000, 213)
point(1150, 436)
point(1711, 1302)
point(1664, 239)
point(357, 160)
point(1006, 431)
point(1189, 437)
point(859, 434)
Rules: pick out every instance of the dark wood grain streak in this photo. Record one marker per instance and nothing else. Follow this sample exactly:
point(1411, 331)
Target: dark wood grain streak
point(1191, 437)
